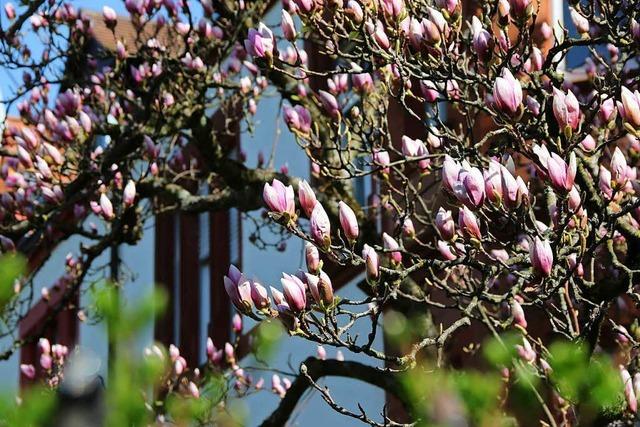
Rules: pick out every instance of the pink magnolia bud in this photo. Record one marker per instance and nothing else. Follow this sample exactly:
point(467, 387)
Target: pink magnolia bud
point(321, 288)
point(415, 148)
point(321, 352)
point(629, 392)
point(312, 257)
point(507, 93)
point(28, 371)
point(521, 8)
point(379, 34)
point(297, 118)
point(446, 250)
point(294, 292)
point(390, 244)
point(239, 290)
point(588, 144)
point(541, 256)
point(229, 353)
point(482, 40)
point(211, 349)
point(518, 313)
point(526, 352)
point(630, 107)
point(129, 194)
point(354, 10)
point(348, 222)
point(393, 8)
point(305, 6)
point(121, 51)
point(429, 90)
point(381, 158)
point(259, 296)
point(445, 224)
point(450, 172)
point(279, 199)
point(46, 362)
point(635, 29)
point(618, 168)
point(604, 182)
point(193, 390)
point(330, 103)
point(236, 323)
point(24, 157)
point(493, 182)
point(607, 110)
point(572, 260)
point(468, 224)
point(320, 227)
point(566, 110)
point(260, 42)
point(372, 263)
point(562, 176)
point(307, 198)
point(473, 183)
point(408, 229)
point(362, 82)
point(10, 11)
point(106, 208)
point(581, 23)
point(109, 16)
point(44, 346)
point(288, 27)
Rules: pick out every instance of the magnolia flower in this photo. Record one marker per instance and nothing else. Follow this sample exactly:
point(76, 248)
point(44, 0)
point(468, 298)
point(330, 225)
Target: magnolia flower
point(445, 224)
point(562, 175)
point(260, 42)
point(330, 103)
point(29, 371)
point(520, 8)
point(629, 107)
point(372, 263)
point(507, 93)
point(541, 256)
point(381, 158)
point(348, 222)
point(482, 40)
point(408, 229)
point(307, 198)
point(566, 110)
point(415, 148)
point(312, 256)
point(518, 313)
point(320, 226)
point(10, 11)
point(239, 290)
point(393, 8)
point(362, 82)
point(109, 16)
point(259, 295)
point(129, 193)
point(450, 171)
point(390, 244)
point(581, 23)
point(279, 198)
point(321, 288)
point(106, 208)
point(354, 10)
point(294, 292)
point(618, 168)
point(468, 223)
point(473, 186)
point(629, 392)
point(493, 182)
point(288, 27)
point(297, 118)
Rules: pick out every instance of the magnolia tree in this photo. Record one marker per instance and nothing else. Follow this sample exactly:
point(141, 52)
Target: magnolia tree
point(508, 206)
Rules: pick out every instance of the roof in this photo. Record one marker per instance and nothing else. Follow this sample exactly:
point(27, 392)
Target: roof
point(126, 31)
